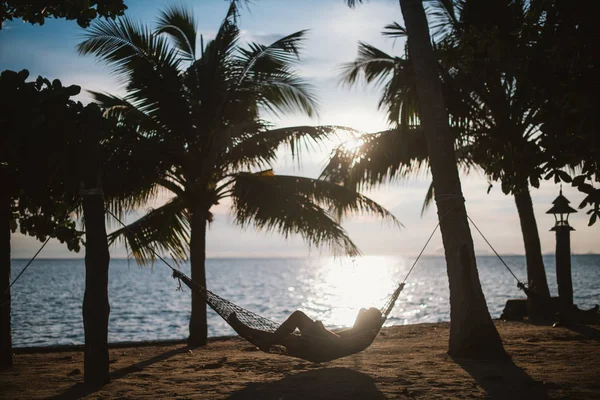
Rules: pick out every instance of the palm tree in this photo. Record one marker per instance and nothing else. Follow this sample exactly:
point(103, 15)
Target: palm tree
point(200, 107)
point(496, 120)
point(493, 51)
point(472, 331)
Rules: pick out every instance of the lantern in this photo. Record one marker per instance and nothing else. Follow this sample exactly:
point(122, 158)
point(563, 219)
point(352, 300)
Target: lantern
point(561, 210)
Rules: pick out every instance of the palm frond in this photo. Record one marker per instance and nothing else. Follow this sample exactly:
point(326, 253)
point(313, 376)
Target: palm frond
point(285, 93)
point(444, 17)
point(149, 65)
point(394, 74)
point(373, 63)
point(179, 24)
point(132, 168)
point(269, 71)
point(353, 3)
point(164, 229)
point(125, 112)
point(219, 49)
point(394, 30)
point(259, 150)
point(381, 157)
point(210, 80)
point(123, 43)
point(428, 199)
point(260, 201)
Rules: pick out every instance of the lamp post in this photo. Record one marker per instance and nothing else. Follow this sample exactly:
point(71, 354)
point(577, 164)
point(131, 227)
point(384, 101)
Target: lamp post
point(561, 211)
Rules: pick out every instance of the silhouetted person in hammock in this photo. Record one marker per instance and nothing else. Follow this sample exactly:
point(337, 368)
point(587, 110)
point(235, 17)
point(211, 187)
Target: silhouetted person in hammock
point(367, 321)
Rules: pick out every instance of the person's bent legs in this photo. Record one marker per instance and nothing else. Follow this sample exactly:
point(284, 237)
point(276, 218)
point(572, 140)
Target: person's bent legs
point(297, 320)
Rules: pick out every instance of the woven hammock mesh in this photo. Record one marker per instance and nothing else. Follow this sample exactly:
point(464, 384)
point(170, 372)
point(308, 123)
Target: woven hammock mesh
point(226, 308)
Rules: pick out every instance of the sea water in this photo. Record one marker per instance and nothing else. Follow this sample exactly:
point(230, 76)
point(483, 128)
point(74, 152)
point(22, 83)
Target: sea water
point(146, 305)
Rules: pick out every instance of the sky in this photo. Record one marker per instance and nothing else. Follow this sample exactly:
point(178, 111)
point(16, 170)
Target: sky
point(334, 32)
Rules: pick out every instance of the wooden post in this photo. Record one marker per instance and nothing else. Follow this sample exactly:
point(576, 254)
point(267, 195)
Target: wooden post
point(561, 210)
point(96, 308)
point(563, 267)
point(5, 331)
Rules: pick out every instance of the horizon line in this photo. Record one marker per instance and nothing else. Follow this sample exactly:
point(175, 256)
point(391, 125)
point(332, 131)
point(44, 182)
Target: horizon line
point(298, 257)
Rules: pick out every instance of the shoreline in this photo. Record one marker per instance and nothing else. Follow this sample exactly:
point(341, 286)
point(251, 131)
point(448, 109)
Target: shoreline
point(404, 362)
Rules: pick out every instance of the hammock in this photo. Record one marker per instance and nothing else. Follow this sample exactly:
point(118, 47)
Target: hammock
point(309, 348)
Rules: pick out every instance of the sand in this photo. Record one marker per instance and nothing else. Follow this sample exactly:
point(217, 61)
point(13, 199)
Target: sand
point(404, 362)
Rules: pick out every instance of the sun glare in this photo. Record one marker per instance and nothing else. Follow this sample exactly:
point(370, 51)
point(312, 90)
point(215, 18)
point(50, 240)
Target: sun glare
point(353, 144)
point(349, 285)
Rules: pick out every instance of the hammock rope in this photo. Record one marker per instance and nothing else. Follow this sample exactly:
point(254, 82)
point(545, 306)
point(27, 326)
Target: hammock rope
point(41, 248)
point(528, 291)
point(495, 252)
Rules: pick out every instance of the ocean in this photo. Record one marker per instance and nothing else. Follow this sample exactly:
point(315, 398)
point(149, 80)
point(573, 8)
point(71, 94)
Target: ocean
point(146, 305)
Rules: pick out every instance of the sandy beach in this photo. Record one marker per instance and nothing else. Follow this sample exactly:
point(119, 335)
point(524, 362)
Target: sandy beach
point(405, 362)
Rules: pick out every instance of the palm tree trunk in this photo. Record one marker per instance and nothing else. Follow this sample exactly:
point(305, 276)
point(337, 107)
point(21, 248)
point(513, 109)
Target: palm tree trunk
point(536, 274)
point(96, 308)
point(198, 324)
point(472, 331)
point(5, 330)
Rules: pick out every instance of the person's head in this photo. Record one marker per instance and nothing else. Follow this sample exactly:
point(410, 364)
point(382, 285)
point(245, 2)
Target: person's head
point(367, 317)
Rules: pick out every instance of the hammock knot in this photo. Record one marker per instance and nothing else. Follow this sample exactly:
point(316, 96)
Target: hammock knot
point(177, 274)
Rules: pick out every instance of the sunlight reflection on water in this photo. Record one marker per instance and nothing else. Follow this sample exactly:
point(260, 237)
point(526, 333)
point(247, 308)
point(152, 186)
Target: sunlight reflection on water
point(343, 286)
point(145, 305)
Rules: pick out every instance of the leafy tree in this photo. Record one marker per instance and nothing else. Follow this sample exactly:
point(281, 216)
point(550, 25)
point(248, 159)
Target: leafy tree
point(32, 202)
point(488, 58)
point(472, 331)
point(84, 11)
point(568, 114)
point(200, 106)
point(51, 147)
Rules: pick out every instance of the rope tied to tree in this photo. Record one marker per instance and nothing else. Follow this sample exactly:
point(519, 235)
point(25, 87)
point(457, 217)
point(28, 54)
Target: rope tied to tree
point(520, 284)
point(453, 196)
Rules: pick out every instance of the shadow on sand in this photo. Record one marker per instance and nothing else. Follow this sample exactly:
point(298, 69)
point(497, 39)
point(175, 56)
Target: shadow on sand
point(80, 390)
point(586, 331)
point(503, 379)
point(327, 383)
